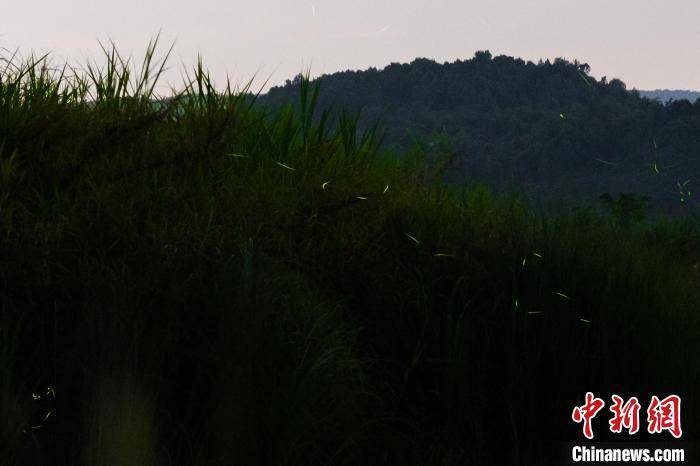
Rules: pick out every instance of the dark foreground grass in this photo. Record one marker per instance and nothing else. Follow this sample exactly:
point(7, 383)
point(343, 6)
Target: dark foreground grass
point(201, 283)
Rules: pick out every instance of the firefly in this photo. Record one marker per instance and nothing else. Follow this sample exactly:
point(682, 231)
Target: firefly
point(412, 238)
point(285, 166)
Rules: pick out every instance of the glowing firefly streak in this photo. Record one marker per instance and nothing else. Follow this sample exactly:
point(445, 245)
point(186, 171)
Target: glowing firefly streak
point(682, 190)
point(285, 166)
point(605, 162)
point(412, 238)
point(42, 421)
point(585, 79)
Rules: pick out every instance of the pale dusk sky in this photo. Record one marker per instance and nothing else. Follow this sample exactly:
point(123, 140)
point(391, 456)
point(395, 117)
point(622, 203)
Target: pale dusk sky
point(648, 44)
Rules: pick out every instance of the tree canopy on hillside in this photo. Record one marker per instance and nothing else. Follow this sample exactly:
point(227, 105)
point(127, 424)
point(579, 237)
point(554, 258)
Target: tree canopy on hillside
point(547, 127)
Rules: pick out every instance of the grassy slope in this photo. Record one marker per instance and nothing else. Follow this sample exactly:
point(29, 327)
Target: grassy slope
point(215, 285)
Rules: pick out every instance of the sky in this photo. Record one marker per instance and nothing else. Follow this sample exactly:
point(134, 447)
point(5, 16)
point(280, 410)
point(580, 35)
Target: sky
point(648, 44)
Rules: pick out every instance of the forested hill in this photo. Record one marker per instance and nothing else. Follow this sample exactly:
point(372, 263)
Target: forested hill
point(548, 129)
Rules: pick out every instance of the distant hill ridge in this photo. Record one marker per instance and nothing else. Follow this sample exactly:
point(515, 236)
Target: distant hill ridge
point(549, 129)
point(665, 95)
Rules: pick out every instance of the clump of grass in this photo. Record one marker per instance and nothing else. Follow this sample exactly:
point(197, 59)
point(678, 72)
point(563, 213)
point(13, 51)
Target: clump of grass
point(204, 281)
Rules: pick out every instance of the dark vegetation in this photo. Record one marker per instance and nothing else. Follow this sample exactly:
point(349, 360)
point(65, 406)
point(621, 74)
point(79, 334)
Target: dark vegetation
point(548, 130)
point(206, 283)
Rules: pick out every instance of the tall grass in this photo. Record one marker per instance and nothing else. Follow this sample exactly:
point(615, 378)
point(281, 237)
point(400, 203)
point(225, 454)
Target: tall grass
point(202, 281)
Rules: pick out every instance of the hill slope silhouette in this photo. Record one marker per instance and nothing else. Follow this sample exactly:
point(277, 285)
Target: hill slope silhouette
point(549, 130)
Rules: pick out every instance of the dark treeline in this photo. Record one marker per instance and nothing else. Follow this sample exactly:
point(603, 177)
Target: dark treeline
point(548, 127)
